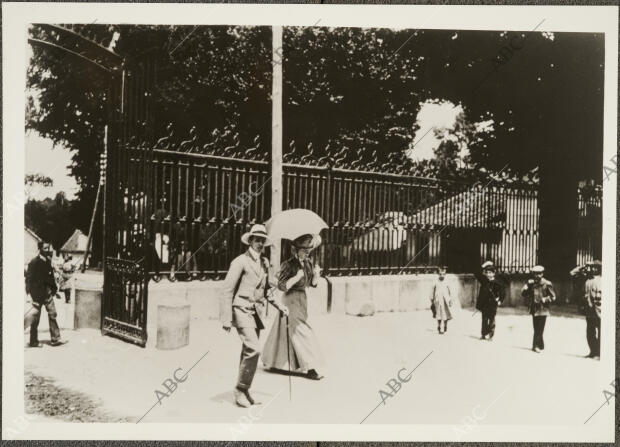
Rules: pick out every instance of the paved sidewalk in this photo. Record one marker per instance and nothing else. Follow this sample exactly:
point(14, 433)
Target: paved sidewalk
point(362, 354)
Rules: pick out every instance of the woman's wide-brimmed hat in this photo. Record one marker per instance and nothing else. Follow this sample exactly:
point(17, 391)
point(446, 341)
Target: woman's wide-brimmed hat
point(308, 241)
point(257, 230)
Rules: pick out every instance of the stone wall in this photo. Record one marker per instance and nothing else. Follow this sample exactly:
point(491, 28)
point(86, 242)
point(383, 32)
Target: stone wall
point(349, 295)
point(365, 295)
point(354, 295)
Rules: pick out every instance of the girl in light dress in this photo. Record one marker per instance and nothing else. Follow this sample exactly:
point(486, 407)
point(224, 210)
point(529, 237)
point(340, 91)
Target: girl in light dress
point(442, 301)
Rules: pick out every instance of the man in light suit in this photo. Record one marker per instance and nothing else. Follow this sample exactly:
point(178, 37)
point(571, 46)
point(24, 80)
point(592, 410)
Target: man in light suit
point(245, 292)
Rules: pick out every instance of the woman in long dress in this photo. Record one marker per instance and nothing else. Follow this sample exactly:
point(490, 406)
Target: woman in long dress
point(296, 274)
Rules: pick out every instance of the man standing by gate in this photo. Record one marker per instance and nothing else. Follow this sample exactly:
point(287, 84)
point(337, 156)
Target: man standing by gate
point(41, 286)
point(242, 305)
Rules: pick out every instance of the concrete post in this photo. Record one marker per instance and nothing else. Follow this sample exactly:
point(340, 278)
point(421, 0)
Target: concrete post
point(87, 312)
point(173, 319)
point(276, 134)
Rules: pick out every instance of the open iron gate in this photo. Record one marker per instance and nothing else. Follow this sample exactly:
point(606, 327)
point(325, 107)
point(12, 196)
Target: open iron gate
point(127, 211)
point(125, 214)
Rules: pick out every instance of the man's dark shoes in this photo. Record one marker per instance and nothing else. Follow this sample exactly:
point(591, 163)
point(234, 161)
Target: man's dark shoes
point(58, 343)
point(312, 374)
point(251, 398)
point(241, 399)
point(35, 345)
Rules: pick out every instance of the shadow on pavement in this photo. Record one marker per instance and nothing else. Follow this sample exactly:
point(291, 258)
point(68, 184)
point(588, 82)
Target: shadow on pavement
point(228, 397)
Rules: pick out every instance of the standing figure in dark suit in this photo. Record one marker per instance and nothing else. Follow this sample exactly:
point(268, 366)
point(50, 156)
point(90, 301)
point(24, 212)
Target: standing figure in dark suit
point(41, 286)
point(593, 295)
point(491, 295)
point(242, 305)
point(539, 293)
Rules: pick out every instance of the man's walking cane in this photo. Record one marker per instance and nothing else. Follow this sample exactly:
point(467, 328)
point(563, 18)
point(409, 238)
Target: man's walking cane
point(288, 355)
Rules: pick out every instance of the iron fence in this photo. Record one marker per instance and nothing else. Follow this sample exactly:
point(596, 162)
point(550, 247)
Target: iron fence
point(202, 206)
point(589, 223)
point(379, 223)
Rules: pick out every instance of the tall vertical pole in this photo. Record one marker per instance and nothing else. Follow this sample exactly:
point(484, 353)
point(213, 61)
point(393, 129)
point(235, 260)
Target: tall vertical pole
point(276, 134)
point(102, 161)
point(105, 200)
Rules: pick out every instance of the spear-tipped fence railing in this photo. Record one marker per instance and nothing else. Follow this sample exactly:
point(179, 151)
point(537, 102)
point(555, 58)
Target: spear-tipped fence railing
point(203, 196)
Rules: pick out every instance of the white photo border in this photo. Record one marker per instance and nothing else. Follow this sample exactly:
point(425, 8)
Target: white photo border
point(17, 17)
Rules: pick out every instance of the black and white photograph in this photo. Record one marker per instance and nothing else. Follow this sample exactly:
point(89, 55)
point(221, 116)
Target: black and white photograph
point(310, 222)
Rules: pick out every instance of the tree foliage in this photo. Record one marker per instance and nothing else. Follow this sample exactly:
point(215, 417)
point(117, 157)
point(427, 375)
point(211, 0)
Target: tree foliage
point(350, 89)
point(208, 78)
point(51, 219)
point(38, 179)
point(348, 92)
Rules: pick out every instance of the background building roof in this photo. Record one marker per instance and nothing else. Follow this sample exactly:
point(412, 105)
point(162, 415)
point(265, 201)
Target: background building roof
point(76, 243)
